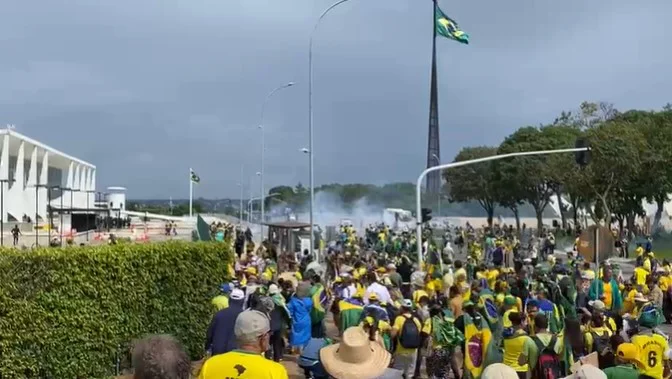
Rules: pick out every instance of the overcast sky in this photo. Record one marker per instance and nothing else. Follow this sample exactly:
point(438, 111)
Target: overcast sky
point(146, 89)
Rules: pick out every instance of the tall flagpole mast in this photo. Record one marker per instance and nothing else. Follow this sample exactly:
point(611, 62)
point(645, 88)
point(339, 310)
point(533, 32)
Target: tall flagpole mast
point(433, 142)
point(191, 194)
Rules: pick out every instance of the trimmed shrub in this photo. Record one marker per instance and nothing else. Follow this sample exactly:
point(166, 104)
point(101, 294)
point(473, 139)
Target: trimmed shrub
point(71, 312)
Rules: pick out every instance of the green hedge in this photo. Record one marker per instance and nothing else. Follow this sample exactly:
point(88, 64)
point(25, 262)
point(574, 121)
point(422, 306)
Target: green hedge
point(64, 313)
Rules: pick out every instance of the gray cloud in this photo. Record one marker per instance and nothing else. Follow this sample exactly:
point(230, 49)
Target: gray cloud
point(145, 90)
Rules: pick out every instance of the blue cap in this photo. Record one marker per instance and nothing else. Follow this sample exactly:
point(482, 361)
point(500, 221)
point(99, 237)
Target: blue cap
point(226, 288)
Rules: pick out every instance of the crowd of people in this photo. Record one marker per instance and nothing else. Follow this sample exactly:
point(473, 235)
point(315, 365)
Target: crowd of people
point(477, 317)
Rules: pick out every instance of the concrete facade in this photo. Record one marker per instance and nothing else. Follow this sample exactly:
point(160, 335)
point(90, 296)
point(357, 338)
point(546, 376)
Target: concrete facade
point(30, 169)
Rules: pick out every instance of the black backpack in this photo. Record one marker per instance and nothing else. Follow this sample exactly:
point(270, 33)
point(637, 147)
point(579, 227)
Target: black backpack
point(409, 336)
point(605, 354)
point(548, 363)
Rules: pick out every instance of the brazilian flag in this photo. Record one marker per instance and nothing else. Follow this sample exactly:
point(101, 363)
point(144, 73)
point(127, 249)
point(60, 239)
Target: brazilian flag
point(486, 302)
point(478, 339)
point(320, 300)
point(448, 28)
point(349, 312)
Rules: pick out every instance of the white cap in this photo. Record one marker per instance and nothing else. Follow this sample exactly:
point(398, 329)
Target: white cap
point(237, 294)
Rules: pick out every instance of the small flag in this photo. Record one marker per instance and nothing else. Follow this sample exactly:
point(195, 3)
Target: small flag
point(194, 178)
point(448, 28)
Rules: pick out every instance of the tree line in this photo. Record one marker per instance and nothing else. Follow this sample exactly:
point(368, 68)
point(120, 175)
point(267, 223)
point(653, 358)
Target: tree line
point(630, 161)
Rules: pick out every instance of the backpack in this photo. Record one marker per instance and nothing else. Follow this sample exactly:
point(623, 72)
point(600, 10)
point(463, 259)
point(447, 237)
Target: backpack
point(410, 338)
point(548, 363)
point(601, 345)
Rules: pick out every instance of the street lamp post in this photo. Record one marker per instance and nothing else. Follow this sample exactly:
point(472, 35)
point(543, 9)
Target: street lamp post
point(263, 145)
point(418, 188)
point(438, 162)
point(37, 207)
point(310, 119)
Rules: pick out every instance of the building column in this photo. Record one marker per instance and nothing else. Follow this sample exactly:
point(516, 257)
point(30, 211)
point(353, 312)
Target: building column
point(43, 179)
point(4, 173)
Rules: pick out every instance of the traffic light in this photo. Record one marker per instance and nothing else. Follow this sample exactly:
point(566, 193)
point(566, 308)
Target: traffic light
point(582, 157)
point(426, 214)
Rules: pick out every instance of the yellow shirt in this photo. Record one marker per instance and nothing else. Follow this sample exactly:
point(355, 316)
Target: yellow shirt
point(491, 277)
point(241, 365)
point(588, 337)
point(515, 346)
point(664, 282)
point(640, 275)
point(652, 349)
point(499, 300)
point(629, 301)
point(505, 318)
point(608, 296)
point(434, 287)
point(647, 265)
point(399, 324)
point(417, 294)
point(220, 302)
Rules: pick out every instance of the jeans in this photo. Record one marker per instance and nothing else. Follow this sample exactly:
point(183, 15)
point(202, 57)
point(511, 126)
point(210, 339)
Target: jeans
point(277, 346)
point(405, 362)
point(317, 330)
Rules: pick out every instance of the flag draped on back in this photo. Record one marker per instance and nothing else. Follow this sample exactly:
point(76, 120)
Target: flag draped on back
point(320, 300)
point(448, 28)
point(193, 177)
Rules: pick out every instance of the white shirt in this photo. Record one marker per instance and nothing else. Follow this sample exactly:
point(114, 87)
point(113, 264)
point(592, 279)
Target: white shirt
point(349, 291)
point(380, 291)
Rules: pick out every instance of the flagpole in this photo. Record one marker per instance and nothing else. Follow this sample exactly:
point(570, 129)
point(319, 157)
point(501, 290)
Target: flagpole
point(191, 194)
point(433, 141)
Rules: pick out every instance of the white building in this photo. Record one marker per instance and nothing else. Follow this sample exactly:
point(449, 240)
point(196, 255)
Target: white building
point(32, 172)
point(116, 199)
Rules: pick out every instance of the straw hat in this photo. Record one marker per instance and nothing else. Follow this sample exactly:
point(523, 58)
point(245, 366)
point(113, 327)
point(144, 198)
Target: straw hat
point(499, 371)
point(289, 277)
point(355, 356)
point(639, 297)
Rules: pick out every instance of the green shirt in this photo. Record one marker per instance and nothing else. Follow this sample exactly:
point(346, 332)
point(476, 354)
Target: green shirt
point(626, 371)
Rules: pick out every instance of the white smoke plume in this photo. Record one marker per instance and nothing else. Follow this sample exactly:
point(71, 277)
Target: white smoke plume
point(331, 210)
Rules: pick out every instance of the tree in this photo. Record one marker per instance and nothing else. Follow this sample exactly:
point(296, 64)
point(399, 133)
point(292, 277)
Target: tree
point(617, 151)
point(475, 181)
point(282, 193)
point(657, 129)
point(589, 115)
point(532, 173)
point(562, 167)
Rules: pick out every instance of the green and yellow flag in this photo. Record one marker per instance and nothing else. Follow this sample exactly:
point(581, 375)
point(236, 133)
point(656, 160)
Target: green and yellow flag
point(448, 28)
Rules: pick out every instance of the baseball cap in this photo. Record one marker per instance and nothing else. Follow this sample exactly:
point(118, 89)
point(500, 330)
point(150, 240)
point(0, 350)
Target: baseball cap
point(237, 294)
point(373, 296)
point(597, 305)
point(225, 287)
point(251, 324)
point(407, 303)
point(628, 352)
point(273, 289)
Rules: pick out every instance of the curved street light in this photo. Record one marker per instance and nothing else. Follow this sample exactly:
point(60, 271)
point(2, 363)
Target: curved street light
point(310, 121)
point(263, 142)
